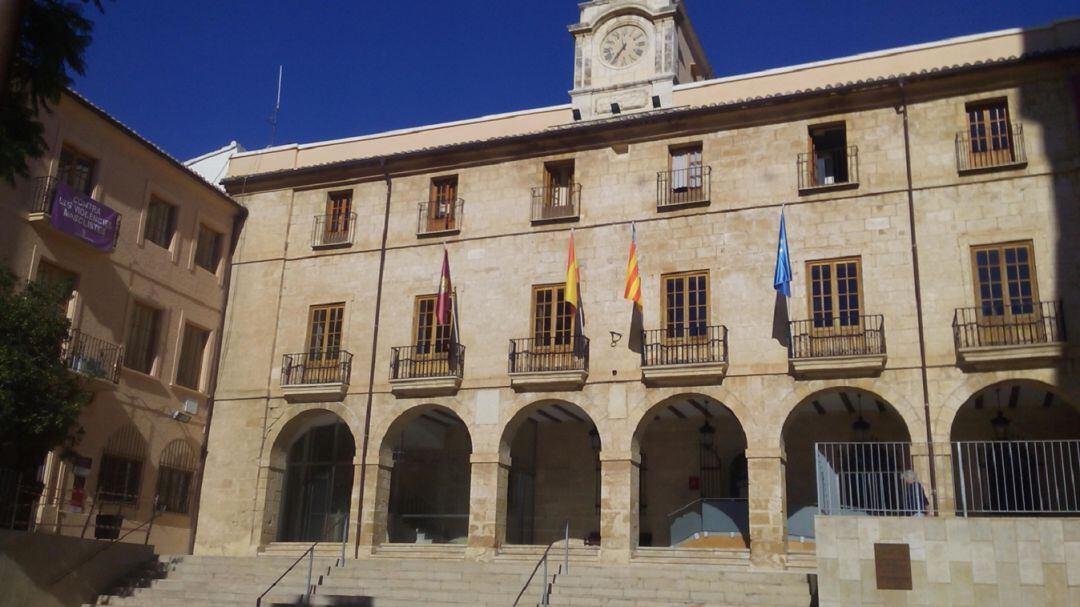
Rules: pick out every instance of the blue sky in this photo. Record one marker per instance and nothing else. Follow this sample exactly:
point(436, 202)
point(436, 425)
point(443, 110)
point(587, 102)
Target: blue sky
point(193, 75)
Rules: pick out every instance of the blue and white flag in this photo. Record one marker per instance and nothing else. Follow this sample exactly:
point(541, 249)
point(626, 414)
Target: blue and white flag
point(782, 275)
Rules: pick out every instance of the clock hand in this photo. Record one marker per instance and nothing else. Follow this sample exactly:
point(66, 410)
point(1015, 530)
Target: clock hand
point(619, 52)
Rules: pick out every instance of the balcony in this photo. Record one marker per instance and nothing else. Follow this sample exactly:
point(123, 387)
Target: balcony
point(823, 171)
point(51, 202)
point(439, 217)
point(332, 231)
point(537, 365)
point(556, 203)
point(425, 371)
point(693, 355)
point(824, 348)
point(999, 149)
point(315, 376)
point(1021, 334)
point(94, 358)
point(683, 187)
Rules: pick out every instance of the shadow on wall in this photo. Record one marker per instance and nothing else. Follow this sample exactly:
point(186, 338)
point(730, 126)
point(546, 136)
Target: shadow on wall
point(40, 570)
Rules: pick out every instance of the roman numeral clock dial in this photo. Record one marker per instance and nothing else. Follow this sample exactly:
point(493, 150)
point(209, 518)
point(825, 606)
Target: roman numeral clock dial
point(624, 46)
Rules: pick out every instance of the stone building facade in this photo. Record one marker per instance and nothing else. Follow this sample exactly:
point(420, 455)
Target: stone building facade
point(147, 289)
point(344, 410)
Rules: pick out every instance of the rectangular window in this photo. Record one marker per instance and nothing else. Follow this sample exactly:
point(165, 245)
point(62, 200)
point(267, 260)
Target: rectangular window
point(192, 351)
point(686, 168)
point(989, 133)
point(208, 249)
point(442, 204)
point(828, 154)
point(325, 324)
point(685, 304)
point(56, 276)
point(174, 489)
point(1005, 279)
point(141, 348)
point(558, 184)
point(77, 170)
point(835, 292)
point(118, 479)
point(338, 217)
point(160, 222)
point(430, 337)
point(552, 318)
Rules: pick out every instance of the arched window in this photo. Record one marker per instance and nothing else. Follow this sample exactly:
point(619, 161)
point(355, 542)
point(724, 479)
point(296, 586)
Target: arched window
point(318, 483)
point(176, 469)
point(121, 466)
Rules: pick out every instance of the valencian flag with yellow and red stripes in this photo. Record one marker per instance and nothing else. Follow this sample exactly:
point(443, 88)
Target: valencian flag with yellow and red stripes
point(443, 303)
point(633, 279)
point(571, 292)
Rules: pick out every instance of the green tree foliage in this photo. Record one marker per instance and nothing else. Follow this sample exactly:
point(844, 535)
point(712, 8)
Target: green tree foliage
point(52, 39)
point(40, 398)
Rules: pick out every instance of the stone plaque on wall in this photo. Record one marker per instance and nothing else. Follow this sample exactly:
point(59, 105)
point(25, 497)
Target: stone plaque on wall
point(892, 566)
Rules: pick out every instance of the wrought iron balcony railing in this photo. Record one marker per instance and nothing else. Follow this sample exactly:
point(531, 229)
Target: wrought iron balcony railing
point(438, 216)
point(1009, 324)
point(529, 355)
point(679, 187)
point(418, 362)
point(827, 337)
point(307, 368)
point(1003, 146)
point(92, 357)
point(684, 345)
point(40, 197)
point(333, 230)
point(825, 174)
point(552, 203)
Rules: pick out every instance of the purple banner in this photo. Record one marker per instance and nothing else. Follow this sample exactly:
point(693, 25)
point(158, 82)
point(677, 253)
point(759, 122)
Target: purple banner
point(83, 217)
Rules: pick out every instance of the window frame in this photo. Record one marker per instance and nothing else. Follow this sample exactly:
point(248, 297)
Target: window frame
point(836, 326)
point(695, 180)
point(131, 478)
point(840, 160)
point(331, 328)
point(153, 338)
point(440, 339)
point(170, 224)
point(984, 109)
point(184, 356)
point(559, 178)
point(1007, 305)
point(338, 222)
point(63, 169)
point(218, 238)
point(561, 314)
point(667, 326)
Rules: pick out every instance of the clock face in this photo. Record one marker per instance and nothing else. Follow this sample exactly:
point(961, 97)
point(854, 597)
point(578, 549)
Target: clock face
point(624, 46)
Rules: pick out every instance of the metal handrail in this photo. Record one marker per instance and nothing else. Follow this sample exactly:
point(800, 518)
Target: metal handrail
point(446, 218)
point(1020, 323)
point(545, 592)
point(310, 553)
point(676, 187)
point(531, 355)
point(550, 204)
point(685, 344)
point(826, 337)
point(333, 230)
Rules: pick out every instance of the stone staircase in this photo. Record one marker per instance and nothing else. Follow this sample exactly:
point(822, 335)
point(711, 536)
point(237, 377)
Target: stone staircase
point(396, 581)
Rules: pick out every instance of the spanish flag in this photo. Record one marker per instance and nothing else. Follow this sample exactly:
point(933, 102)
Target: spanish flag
point(573, 276)
point(633, 279)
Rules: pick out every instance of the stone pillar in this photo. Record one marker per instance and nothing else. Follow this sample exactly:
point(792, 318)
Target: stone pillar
point(268, 509)
point(376, 505)
point(487, 504)
point(948, 498)
point(768, 508)
point(619, 499)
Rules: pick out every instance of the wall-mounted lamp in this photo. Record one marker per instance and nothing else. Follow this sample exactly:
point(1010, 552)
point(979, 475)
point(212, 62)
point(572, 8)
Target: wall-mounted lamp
point(181, 417)
point(615, 337)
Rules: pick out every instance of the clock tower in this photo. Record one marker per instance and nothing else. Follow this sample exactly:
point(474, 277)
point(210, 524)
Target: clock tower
point(629, 54)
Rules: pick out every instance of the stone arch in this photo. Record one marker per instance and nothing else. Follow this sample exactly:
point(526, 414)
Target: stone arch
point(285, 428)
point(1018, 398)
point(803, 391)
point(529, 410)
point(386, 424)
point(646, 413)
point(692, 481)
point(291, 470)
point(945, 416)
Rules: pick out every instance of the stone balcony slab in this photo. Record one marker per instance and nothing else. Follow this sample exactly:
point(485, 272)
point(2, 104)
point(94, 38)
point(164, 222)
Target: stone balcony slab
point(834, 367)
point(691, 374)
point(984, 358)
point(548, 381)
point(301, 393)
point(425, 386)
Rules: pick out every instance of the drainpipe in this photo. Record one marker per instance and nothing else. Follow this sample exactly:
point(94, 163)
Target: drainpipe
point(238, 224)
point(374, 356)
point(918, 301)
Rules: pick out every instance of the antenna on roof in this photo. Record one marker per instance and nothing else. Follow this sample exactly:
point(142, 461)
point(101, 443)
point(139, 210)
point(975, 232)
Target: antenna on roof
point(277, 107)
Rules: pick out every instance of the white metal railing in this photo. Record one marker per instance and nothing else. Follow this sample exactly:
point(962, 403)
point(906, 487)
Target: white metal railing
point(868, 479)
point(1017, 477)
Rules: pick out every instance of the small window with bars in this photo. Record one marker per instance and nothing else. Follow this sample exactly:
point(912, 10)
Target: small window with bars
point(208, 249)
point(430, 336)
point(835, 292)
point(160, 223)
point(176, 470)
point(140, 351)
point(685, 305)
point(77, 170)
point(1005, 279)
point(192, 352)
point(120, 472)
point(325, 326)
point(552, 318)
